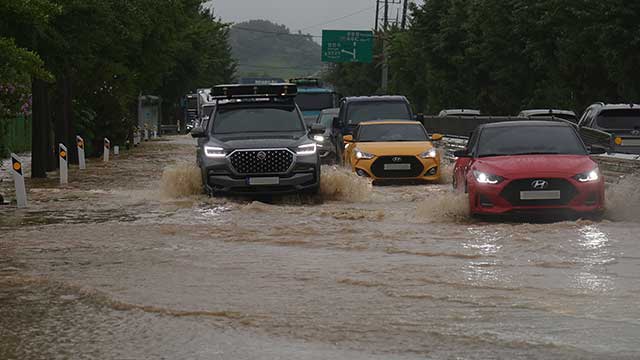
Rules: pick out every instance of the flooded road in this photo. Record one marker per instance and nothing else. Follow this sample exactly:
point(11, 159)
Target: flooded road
point(129, 261)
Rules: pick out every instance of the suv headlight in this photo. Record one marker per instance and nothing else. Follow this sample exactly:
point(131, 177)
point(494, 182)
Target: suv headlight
point(307, 149)
point(431, 153)
point(589, 176)
point(362, 155)
point(214, 152)
point(318, 138)
point(484, 178)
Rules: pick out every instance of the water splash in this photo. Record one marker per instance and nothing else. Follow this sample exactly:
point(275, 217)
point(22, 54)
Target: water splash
point(448, 206)
point(341, 184)
point(181, 180)
point(446, 173)
point(623, 199)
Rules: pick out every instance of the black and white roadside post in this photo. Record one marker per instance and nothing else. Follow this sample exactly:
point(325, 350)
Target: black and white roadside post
point(64, 163)
point(80, 145)
point(107, 148)
point(18, 179)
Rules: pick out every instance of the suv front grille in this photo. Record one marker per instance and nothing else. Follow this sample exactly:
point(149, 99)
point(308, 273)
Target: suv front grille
point(378, 167)
point(511, 192)
point(275, 161)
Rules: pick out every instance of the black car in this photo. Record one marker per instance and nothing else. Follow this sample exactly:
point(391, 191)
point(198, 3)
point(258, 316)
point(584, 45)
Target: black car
point(357, 109)
point(255, 142)
point(326, 141)
point(622, 121)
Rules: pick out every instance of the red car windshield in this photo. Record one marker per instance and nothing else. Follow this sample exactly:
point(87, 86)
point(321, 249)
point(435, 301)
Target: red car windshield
point(528, 140)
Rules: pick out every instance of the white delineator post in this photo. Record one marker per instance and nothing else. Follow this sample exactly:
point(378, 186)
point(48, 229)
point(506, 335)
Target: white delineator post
point(116, 150)
point(107, 148)
point(64, 163)
point(18, 179)
point(80, 145)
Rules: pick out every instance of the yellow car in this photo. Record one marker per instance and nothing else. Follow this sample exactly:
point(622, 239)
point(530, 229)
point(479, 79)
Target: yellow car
point(386, 150)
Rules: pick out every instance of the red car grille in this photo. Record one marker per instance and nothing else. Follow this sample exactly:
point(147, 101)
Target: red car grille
point(511, 192)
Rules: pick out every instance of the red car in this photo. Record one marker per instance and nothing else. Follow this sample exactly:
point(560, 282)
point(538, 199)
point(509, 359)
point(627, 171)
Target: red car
point(519, 167)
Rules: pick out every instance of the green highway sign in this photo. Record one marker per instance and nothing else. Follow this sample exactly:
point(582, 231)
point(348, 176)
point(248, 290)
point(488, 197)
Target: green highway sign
point(347, 46)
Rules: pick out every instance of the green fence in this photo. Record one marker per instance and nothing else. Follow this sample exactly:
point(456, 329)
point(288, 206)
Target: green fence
point(15, 135)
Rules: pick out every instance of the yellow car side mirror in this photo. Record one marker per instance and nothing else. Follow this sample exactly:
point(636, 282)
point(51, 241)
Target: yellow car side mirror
point(347, 138)
point(436, 137)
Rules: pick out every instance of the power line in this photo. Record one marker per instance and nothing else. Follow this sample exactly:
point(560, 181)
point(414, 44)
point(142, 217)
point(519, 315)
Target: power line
point(280, 67)
point(274, 32)
point(338, 19)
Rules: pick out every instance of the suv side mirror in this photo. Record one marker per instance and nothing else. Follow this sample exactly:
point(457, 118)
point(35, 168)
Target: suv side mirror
point(597, 150)
point(461, 154)
point(436, 137)
point(419, 117)
point(197, 132)
point(317, 129)
point(347, 138)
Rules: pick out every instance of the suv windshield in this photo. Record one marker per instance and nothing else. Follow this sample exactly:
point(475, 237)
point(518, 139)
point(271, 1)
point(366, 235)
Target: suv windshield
point(524, 140)
point(326, 119)
point(391, 132)
point(620, 119)
point(377, 110)
point(314, 101)
point(257, 119)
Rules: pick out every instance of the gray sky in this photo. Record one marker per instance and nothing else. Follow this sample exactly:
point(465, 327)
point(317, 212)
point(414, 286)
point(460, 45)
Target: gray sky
point(301, 14)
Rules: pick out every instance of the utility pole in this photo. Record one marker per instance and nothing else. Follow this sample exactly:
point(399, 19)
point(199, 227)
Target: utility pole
point(377, 14)
point(386, 14)
point(385, 64)
point(404, 14)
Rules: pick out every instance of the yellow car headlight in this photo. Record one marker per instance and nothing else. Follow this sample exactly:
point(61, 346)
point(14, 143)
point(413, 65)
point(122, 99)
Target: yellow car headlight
point(429, 154)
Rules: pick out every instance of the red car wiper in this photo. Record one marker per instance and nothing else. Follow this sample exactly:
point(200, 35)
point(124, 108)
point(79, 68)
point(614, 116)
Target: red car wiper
point(491, 155)
point(538, 153)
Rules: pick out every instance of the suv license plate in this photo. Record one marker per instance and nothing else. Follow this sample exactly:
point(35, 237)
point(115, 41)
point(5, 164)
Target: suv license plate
point(540, 195)
point(263, 180)
point(397, 166)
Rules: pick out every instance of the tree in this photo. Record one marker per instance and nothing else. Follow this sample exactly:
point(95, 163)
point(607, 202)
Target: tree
point(103, 54)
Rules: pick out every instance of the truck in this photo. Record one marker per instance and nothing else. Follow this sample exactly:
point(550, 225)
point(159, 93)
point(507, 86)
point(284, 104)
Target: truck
point(313, 97)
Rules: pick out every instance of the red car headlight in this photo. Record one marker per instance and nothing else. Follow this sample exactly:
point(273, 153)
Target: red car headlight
point(485, 178)
point(589, 176)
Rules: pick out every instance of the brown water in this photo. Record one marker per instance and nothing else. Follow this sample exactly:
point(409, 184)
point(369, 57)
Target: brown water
point(130, 261)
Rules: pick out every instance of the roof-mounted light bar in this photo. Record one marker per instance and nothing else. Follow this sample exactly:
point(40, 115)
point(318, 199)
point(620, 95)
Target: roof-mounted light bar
point(306, 82)
point(237, 91)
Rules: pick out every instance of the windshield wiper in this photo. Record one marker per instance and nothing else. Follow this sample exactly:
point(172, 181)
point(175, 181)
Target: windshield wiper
point(490, 155)
point(538, 153)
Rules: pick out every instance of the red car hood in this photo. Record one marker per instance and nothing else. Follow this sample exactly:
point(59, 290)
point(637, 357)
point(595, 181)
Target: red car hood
point(525, 166)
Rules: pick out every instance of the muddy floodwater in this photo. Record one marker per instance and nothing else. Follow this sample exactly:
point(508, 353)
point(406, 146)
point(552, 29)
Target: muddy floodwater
point(129, 261)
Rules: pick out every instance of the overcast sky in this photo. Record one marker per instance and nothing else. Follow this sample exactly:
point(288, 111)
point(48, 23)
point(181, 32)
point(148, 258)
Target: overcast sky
point(310, 16)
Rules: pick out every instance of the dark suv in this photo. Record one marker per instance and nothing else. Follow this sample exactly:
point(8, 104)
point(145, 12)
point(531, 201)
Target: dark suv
point(357, 109)
point(622, 121)
point(256, 142)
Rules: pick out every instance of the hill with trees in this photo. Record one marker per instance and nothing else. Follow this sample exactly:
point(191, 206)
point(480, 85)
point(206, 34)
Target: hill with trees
point(263, 48)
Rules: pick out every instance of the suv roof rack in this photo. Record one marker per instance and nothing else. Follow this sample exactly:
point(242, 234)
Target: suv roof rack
point(238, 91)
